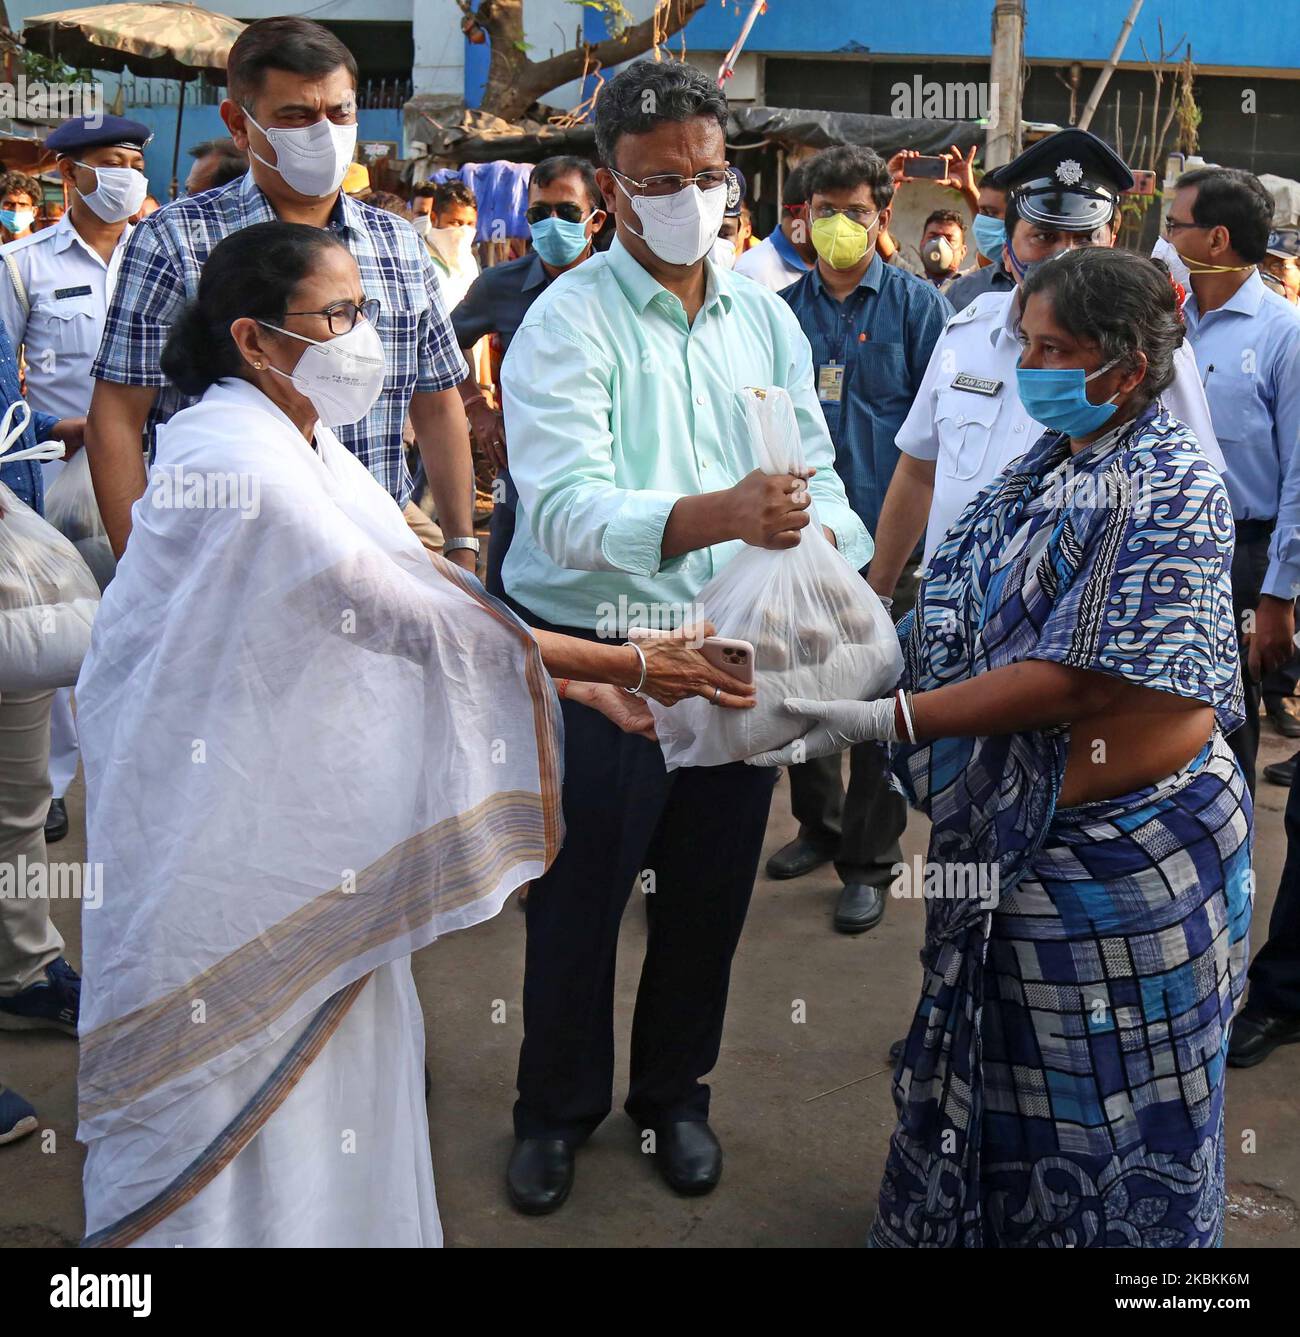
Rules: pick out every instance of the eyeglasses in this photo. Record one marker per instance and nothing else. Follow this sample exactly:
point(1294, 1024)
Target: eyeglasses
point(342, 316)
point(670, 183)
point(863, 217)
point(569, 213)
point(1173, 225)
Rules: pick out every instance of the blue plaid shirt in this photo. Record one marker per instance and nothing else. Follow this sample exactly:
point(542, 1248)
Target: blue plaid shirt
point(880, 337)
point(160, 273)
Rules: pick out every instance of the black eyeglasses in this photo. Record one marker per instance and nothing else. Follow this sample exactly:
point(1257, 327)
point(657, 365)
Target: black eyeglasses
point(570, 213)
point(342, 316)
point(1173, 225)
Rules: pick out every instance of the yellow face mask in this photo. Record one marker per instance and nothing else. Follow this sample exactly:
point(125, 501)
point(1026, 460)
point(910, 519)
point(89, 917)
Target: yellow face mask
point(840, 241)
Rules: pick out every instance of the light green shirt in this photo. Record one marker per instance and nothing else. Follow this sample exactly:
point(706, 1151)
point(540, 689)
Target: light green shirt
point(615, 408)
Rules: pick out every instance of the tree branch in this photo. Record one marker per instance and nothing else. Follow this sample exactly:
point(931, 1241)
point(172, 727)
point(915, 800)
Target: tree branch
point(568, 65)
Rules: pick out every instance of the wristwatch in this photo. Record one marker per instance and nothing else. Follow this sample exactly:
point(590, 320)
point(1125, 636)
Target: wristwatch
point(453, 545)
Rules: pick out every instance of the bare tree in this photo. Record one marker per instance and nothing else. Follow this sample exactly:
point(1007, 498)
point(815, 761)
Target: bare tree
point(515, 81)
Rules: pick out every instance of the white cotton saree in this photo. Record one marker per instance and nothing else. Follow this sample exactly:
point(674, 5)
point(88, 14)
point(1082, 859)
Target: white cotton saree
point(309, 751)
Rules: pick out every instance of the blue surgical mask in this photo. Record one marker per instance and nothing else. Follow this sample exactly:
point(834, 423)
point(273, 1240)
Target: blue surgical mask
point(1058, 398)
point(990, 236)
point(558, 242)
point(17, 220)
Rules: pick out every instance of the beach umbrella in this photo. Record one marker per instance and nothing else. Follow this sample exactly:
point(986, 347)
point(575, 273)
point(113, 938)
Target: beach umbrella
point(155, 41)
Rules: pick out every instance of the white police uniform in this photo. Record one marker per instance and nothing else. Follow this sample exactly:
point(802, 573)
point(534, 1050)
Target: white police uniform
point(68, 285)
point(967, 416)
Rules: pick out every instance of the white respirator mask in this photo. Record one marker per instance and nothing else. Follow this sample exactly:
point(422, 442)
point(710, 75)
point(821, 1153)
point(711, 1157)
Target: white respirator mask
point(679, 228)
point(312, 159)
point(343, 376)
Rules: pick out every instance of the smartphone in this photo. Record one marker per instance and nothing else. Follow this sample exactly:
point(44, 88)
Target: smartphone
point(734, 657)
point(1144, 183)
point(731, 656)
point(929, 169)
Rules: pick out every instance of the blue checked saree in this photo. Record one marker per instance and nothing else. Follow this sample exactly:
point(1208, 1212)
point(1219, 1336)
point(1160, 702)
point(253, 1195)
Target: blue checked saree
point(1062, 1080)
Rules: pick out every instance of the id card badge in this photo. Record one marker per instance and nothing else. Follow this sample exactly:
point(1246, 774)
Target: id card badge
point(830, 383)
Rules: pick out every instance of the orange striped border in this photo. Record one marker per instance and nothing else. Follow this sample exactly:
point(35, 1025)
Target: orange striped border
point(442, 869)
point(239, 1132)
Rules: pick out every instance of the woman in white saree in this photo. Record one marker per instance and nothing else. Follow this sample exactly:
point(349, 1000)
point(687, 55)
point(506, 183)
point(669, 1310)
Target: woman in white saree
point(310, 750)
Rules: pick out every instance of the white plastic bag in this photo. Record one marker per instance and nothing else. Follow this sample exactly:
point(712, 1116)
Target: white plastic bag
point(818, 629)
point(70, 506)
point(48, 596)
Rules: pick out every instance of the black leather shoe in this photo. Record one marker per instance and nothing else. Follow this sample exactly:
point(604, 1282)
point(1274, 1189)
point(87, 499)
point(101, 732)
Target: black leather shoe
point(1255, 1035)
point(1282, 772)
point(689, 1157)
point(56, 821)
point(861, 907)
point(540, 1174)
point(1281, 718)
point(797, 858)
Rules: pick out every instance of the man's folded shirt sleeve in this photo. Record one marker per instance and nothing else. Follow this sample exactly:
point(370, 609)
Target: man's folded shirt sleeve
point(149, 295)
point(558, 405)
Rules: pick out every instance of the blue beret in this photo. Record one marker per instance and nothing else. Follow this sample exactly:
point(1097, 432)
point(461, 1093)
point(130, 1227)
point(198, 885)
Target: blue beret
point(79, 133)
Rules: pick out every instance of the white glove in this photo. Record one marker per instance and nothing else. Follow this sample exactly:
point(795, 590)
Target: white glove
point(844, 723)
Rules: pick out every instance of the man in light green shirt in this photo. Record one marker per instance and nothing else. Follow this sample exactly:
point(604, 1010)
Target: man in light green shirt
point(619, 393)
point(623, 407)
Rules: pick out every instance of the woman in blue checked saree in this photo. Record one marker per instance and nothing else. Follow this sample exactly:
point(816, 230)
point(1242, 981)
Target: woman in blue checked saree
point(1070, 671)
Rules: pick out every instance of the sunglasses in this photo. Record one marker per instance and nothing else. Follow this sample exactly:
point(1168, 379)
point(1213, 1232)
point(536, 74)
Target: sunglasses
point(569, 213)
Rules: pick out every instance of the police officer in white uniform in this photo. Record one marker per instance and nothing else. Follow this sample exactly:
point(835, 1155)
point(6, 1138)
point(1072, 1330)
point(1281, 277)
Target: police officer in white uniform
point(967, 422)
point(54, 294)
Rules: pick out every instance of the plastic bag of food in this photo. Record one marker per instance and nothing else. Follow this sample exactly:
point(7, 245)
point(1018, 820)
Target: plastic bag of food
point(818, 629)
point(70, 506)
point(48, 596)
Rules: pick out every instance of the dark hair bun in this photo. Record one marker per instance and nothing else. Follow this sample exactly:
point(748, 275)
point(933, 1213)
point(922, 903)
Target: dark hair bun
point(189, 356)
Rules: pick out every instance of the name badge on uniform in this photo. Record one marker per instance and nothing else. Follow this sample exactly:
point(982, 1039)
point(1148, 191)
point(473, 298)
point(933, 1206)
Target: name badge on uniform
point(830, 383)
point(977, 385)
point(61, 293)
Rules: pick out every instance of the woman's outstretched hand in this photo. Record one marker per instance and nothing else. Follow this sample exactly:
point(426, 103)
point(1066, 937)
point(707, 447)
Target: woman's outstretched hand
point(630, 713)
point(840, 725)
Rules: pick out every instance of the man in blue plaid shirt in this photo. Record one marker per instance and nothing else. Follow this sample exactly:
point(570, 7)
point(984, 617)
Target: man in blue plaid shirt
point(295, 80)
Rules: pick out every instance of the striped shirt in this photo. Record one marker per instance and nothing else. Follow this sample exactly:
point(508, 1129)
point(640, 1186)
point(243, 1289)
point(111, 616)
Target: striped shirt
point(160, 273)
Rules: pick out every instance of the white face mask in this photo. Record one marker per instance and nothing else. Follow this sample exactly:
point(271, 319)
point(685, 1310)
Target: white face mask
point(312, 159)
point(342, 376)
point(119, 192)
point(723, 253)
point(1165, 250)
point(453, 244)
point(423, 224)
point(682, 227)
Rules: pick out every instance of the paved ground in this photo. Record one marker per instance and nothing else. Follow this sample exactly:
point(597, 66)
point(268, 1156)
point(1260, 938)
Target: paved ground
point(803, 1109)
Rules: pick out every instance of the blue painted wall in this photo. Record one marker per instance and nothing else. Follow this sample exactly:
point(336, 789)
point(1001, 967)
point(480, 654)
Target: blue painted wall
point(204, 122)
point(1221, 33)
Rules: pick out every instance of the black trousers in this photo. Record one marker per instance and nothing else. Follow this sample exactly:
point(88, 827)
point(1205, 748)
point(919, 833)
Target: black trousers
point(862, 826)
point(1249, 567)
point(1275, 971)
point(501, 530)
point(689, 842)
